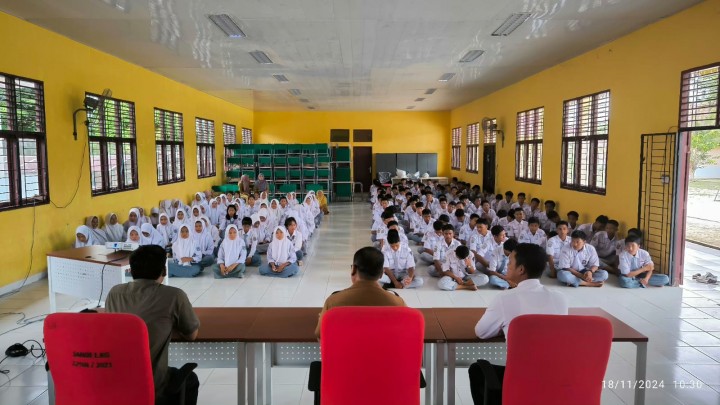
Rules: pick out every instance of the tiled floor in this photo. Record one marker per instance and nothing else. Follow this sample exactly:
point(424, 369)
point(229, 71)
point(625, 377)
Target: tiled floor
point(683, 323)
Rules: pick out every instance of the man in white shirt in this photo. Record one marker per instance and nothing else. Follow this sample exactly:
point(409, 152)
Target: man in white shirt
point(467, 230)
point(459, 271)
point(497, 270)
point(399, 266)
point(525, 266)
point(636, 267)
point(579, 264)
point(534, 234)
point(447, 244)
point(555, 245)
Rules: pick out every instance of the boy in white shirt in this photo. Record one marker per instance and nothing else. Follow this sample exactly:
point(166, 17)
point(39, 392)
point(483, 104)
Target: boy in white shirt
point(636, 267)
point(543, 215)
point(495, 204)
point(421, 226)
point(458, 271)
point(379, 227)
point(505, 204)
point(430, 241)
point(457, 220)
point(572, 220)
point(399, 266)
point(486, 212)
point(605, 243)
point(504, 218)
point(250, 238)
point(521, 203)
point(579, 264)
point(591, 229)
point(555, 245)
point(468, 229)
point(497, 270)
point(534, 234)
point(390, 226)
point(447, 244)
point(479, 243)
point(294, 236)
point(551, 222)
point(517, 226)
point(533, 209)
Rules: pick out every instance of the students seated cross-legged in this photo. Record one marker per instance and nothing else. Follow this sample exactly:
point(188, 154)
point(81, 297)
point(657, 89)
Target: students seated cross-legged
point(186, 255)
point(497, 270)
point(249, 236)
point(231, 255)
point(296, 238)
point(430, 241)
point(281, 256)
point(399, 265)
point(555, 246)
point(479, 243)
point(447, 244)
point(84, 237)
point(605, 243)
point(579, 264)
point(533, 234)
point(636, 267)
point(459, 271)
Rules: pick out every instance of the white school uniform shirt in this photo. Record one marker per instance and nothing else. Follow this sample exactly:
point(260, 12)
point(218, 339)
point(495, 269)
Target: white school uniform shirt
point(457, 266)
point(503, 222)
point(400, 260)
point(281, 250)
point(555, 245)
point(630, 263)
point(422, 227)
point(525, 207)
point(587, 228)
point(539, 238)
point(296, 239)
point(542, 217)
point(548, 226)
point(580, 260)
point(498, 261)
point(232, 251)
point(514, 229)
point(503, 205)
point(403, 239)
point(529, 297)
point(442, 249)
point(466, 232)
point(491, 215)
point(479, 243)
point(251, 240)
point(431, 239)
point(619, 246)
point(605, 246)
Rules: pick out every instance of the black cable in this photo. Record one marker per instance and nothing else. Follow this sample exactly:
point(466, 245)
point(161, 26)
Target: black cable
point(102, 278)
point(23, 322)
point(32, 349)
point(82, 165)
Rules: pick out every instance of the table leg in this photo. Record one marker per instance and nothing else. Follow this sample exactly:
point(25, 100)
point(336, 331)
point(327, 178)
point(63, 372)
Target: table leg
point(640, 372)
point(260, 365)
point(429, 364)
point(451, 374)
point(268, 373)
point(242, 372)
point(251, 369)
point(51, 389)
point(439, 373)
point(53, 302)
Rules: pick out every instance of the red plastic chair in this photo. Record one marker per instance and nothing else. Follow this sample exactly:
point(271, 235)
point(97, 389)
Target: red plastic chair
point(99, 359)
point(556, 359)
point(365, 348)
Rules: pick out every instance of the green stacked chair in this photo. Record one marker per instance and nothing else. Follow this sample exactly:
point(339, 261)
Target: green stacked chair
point(342, 155)
point(308, 161)
point(280, 175)
point(314, 187)
point(268, 173)
point(247, 150)
point(247, 160)
point(233, 174)
point(308, 175)
point(294, 161)
point(323, 174)
point(249, 173)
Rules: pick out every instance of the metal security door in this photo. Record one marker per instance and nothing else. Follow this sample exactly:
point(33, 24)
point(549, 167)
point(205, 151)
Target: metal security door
point(658, 171)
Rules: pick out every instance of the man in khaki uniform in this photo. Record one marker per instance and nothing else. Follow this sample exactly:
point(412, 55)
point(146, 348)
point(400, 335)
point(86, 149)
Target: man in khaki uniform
point(367, 268)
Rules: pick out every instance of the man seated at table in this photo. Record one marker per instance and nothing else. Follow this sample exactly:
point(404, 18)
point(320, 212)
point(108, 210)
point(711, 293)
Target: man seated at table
point(526, 265)
point(164, 309)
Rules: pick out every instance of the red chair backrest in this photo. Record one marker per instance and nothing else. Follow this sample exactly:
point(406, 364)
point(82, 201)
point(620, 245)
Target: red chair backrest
point(556, 359)
point(99, 359)
point(371, 355)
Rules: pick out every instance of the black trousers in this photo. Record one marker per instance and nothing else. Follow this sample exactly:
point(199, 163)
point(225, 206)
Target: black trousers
point(192, 386)
point(477, 385)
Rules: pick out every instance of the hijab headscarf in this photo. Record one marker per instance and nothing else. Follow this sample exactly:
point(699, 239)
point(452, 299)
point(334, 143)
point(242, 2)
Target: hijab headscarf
point(211, 229)
point(166, 206)
point(261, 184)
point(192, 212)
point(114, 232)
point(263, 198)
point(139, 232)
point(184, 247)
point(322, 201)
point(280, 250)
point(244, 184)
point(87, 232)
point(166, 231)
point(98, 234)
point(155, 238)
point(233, 249)
point(275, 213)
point(214, 212)
point(154, 220)
point(130, 223)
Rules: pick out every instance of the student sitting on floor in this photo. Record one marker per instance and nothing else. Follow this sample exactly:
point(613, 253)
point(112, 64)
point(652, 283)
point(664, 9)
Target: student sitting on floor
point(134, 235)
point(93, 222)
point(572, 219)
point(379, 227)
point(534, 234)
point(186, 256)
point(467, 230)
point(506, 218)
point(550, 226)
point(204, 242)
point(84, 237)
point(296, 238)
point(591, 229)
point(555, 246)
point(479, 243)
point(113, 229)
point(231, 218)
point(421, 226)
point(496, 204)
point(151, 236)
point(250, 238)
point(507, 203)
point(518, 225)
point(521, 204)
point(431, 239)
point(458, 271)
point(579, 264)
point(458, 220)
point(281, 256)
point(165, 228)
point(399, 266)
point(533, 209)
point(525, 267)
point(636, 267)
point(497, 270)
point(543, 215)
point(605, 243)
point(447, 244)
point(390, 226)
point(231, 255)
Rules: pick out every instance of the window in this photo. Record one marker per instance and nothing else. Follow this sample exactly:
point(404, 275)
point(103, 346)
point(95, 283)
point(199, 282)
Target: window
point(23, 156)
point(205, 140)
point(528, 147)
point(247, 136)
point(473, 146)
point(339, 135)
point(362, 135)
point(229, 138)
point(699, 108)
point(490, 131)
point(585, 143)
point(113, 151)
point(455, 157)
point(169, 146)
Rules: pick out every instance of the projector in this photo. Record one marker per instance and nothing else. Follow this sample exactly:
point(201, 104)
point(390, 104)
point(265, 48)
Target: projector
point(122, 246)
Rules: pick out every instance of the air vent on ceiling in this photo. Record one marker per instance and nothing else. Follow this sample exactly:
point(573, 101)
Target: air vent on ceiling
point(511, 24)
point(227, 25)
point(471, 55)
point(410, 107)
point(420, 99)
point(294, 92)
point(446, 77)
point(281, 78)
point(430, 91)
point(261, 57)
point(304, 100)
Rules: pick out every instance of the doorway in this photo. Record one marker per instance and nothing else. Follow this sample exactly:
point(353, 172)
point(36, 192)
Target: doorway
point(362, 166)
point(489, 168)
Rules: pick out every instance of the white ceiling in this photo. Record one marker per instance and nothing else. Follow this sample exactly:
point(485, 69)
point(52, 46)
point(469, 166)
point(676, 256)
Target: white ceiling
point(348, 55)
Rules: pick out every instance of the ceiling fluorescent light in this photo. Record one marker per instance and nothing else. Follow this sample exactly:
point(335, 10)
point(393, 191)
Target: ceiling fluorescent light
point(261, 57)
point(446, 77)
point(511, 24)
point(471, 55)
point(281, 78)
point(227, 25)
point(410, 107)
point(420, 99)
point(294, 92)
point(430, 91)
point(304, 100)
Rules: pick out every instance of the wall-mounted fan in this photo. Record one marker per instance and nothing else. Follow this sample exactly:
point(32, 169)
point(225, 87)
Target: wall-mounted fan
point(489, 124)
point(91, 103)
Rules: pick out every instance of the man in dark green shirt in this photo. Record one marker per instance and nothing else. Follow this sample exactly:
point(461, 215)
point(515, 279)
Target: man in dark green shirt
point(163, 308)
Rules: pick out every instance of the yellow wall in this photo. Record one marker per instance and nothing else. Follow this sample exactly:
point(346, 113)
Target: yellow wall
point(68, 69)
point(641, 70)
point(393, 132)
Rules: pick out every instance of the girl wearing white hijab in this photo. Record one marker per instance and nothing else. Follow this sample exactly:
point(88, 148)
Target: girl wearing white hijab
point(204, 242)
point(114, 231)
point(263, 199)
point(186, 256)
point(165, 229)
point(84, 237)
point(155, 216)
point(98, 234)
point(275, 213)
point(166, 207)
point(180, 220)
point(214, 213)
point(307, 213)
point(263, 230)
point(134, 235)
point(281, 256)
point(195, 212)
point(143, 219)
point(231, 255)
point(151, 236)
point(199, 199)
point(213, 231)
point(133, 219)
